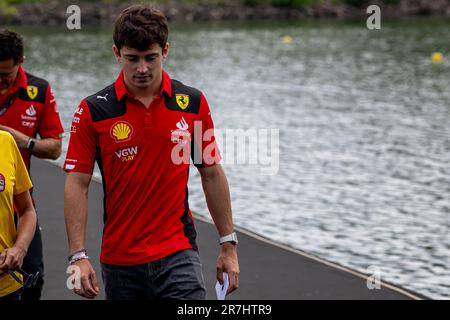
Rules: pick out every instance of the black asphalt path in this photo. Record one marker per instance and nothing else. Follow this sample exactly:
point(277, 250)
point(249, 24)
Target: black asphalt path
point(267, 271)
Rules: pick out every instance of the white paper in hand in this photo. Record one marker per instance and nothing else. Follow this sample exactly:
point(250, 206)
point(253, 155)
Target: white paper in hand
point(221, 290)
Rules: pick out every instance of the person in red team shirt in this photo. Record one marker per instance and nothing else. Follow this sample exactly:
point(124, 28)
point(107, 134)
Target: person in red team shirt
point(28, 110)
point(140, 130)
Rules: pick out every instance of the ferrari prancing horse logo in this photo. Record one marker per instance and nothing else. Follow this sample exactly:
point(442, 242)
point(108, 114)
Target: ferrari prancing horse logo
point(32, 92)
point(182, 100)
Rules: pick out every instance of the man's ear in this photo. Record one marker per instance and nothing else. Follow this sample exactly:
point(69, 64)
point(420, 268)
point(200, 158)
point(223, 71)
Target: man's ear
point(165, 51)
point(116, 52)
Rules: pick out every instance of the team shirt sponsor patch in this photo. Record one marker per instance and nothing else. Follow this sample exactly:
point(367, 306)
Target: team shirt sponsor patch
point(32, 92)
point(121, 131)
point(127, 154)
point(70, 164)
point(182, 100)
point(31, 111)
point(181, 135)
point(29, 118)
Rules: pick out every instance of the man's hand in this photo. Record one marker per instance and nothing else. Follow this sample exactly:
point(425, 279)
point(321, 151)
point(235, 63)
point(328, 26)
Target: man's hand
point(21, 139)
point(228, 262)
point(12, 258)
point(89, 287)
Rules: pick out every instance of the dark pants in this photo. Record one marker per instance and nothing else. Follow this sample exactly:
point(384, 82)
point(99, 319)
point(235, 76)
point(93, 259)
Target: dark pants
point(34, 262)
point(15, 296)
point(177, 276)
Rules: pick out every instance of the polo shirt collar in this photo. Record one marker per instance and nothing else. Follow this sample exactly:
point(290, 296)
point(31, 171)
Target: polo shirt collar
point(166, 84)
point(21, 80)
point(121, 89)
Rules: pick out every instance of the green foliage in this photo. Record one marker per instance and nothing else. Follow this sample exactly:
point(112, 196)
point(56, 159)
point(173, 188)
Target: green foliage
point(282, 3)
point(251, 2)
point(15, 2)
point(6, 8)
point(361, 3)
point(356, 3)
point(306, 3)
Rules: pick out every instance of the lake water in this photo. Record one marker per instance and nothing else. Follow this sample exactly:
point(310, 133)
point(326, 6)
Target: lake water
point(362, 119)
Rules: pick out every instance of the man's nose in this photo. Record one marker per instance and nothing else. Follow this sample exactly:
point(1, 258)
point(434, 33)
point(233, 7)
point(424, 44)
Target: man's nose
point(142, 67)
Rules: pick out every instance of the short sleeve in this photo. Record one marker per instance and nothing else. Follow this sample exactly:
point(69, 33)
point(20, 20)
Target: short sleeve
point(49, 122)
point(23, 181)
point(205, 149)
point(83, 142)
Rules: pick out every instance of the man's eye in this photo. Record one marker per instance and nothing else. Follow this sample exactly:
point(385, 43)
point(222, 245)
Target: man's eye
point(149, 59)
point(132, 59)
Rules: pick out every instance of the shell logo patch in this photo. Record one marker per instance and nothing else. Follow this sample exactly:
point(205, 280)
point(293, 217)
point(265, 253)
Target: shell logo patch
point(121, 131)
point(32, 92)
point(182, 100)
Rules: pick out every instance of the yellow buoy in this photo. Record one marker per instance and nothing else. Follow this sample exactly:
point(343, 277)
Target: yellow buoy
point(287, 40)
point(437, 57)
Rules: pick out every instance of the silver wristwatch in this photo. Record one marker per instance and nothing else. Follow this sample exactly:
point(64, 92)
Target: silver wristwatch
point(229, 238)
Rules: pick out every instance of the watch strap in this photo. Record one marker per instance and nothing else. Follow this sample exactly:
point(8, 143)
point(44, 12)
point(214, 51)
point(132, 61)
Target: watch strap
point(30, 144)
point(229, 238)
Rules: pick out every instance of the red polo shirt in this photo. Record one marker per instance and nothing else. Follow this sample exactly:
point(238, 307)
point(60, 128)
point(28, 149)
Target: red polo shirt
point(29, 107)
point(143, 155)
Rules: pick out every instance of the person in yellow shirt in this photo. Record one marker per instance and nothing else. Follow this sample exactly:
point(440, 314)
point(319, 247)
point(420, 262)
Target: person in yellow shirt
point(15, 184)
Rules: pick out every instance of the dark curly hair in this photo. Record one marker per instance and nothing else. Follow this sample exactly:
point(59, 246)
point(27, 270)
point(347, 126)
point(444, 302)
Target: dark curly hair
point(139, 27)
point(11, 46)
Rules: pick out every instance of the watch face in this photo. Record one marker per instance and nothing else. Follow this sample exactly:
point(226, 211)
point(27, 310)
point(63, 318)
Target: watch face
point(31, 144)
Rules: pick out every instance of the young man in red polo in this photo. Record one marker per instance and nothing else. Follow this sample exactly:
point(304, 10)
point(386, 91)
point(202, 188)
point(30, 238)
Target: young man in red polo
point(139, 130)
point(28, 110)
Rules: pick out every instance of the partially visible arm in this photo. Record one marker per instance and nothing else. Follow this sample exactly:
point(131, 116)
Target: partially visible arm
point(217, 193)
point(26, 225)
point(47, 148)
point(76, 213)
point(12, 258)
point(75, 208)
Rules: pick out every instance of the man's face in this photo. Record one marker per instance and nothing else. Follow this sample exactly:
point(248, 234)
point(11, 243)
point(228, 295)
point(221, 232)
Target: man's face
point(8, 73)
point(142, 69)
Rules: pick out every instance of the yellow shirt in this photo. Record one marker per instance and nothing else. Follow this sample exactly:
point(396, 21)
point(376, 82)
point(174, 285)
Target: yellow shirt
point(14, 180)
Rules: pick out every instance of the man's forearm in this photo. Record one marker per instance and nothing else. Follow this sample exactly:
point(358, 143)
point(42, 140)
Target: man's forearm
point(75, 213)
point(217, 196)
point(217, 193)
point(47, 148)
